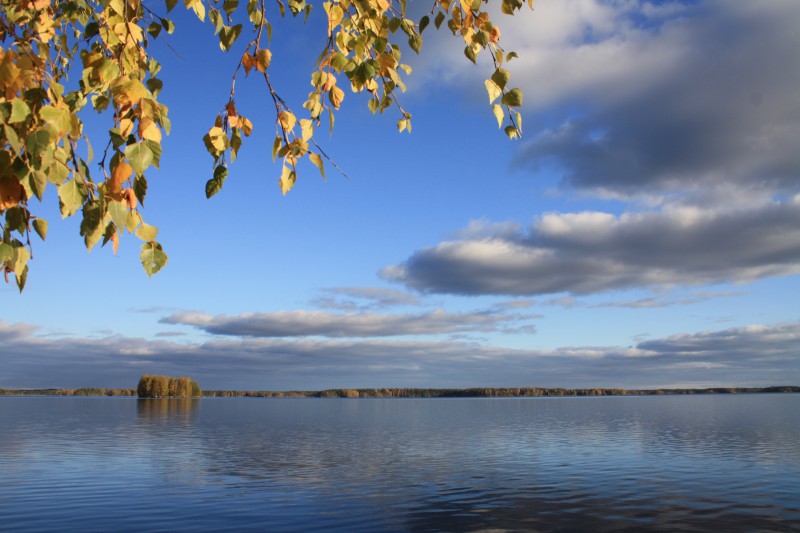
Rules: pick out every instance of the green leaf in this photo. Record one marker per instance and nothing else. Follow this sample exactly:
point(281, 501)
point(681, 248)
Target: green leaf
point(146, 232)
point(118, 213)
point(6, 252)
point(512, 98)
point(438, 20)
point(38, 181)
point(19, 110)
point(140, 188)
point(500, 77)
point(230, 6)
point(154, 85)
point(12, 137)
point(91, 228)
point(228, 35)
point(170, 4)
point(40, 227)
point(471, 54)
point(37, 142)
point(168, 25)
point(415, 42)
point(423, 23)
point(139, 155)
point(155, 149)
point(19, 259)
point(22, 278)
point(152, 257)
point(214, 185)
point(71, 196)
point(17, 219)
point(109, 232)
point(154, 29)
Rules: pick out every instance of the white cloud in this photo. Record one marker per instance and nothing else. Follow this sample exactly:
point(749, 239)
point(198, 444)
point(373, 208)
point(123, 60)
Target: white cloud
point(341, 325)
point(591, 252)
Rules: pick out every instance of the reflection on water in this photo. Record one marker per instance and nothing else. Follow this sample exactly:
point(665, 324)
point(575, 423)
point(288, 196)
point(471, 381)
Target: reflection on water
point(167, 410)
point(601, 464)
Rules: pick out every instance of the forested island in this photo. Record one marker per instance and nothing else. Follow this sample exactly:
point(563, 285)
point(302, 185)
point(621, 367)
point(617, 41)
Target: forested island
point(154, 387)
point(167, 387)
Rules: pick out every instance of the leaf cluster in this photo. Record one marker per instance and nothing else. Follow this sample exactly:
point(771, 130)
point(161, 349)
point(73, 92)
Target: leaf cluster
point(42, 140)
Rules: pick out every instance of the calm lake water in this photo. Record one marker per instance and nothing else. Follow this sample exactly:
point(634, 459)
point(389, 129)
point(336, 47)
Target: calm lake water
point(724, 463)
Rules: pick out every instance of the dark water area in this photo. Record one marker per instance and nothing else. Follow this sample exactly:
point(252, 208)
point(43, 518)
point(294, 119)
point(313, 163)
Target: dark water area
point(666, 463)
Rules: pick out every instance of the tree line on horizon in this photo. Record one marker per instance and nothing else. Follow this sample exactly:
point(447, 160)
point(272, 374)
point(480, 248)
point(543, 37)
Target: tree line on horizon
point(488, 392)
point(157, 386)
point(83, 391)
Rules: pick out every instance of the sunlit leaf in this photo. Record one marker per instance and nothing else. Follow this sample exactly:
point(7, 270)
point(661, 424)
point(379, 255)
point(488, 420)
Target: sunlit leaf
point(152, 257)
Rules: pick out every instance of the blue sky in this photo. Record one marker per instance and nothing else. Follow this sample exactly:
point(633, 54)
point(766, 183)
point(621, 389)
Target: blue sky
point(644, 232)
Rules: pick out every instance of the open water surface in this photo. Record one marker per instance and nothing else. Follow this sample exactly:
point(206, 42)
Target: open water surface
point(690, 463)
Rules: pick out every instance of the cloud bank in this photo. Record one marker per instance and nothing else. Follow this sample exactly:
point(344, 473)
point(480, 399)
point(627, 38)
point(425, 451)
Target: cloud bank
point(757, 355)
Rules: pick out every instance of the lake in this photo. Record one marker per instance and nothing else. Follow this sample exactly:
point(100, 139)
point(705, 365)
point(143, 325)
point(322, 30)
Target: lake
point(694, 463)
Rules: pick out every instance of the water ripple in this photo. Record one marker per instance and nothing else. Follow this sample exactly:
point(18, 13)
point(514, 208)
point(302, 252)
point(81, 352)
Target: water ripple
point(600, 464)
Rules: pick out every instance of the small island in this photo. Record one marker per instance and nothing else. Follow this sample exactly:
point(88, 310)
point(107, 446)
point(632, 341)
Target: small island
point(167, 387)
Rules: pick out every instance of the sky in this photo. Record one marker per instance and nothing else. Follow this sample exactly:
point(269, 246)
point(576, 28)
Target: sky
point(644, 232)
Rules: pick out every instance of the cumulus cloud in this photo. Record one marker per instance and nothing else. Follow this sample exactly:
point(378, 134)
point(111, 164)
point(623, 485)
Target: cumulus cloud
point(683, 97)
point(341, 325)
point(591, 252)
point(633, 97)
point(756, 355)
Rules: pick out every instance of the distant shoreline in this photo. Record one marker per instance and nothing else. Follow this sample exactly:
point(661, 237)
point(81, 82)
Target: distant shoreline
point(485, 392)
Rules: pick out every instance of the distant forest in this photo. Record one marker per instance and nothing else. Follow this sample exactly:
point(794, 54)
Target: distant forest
point(414, 393)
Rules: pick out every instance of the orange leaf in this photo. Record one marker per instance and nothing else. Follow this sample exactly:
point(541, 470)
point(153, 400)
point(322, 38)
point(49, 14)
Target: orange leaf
point(11, 192)
point(121, 172)
point(130, 198)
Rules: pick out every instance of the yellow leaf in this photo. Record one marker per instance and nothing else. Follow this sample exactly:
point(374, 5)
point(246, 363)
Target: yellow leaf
point(493, 89)
point(246, 126)
point(498, 114)
point(125, 127)
point(288, 178)
point(317, 160)
point(128, 94)
point(263, 59)
point(218, 138)
point(149, 130)
point(335, 16)
point(307, 127)
point(330, 82)
point(336, 95)
point(287, 120)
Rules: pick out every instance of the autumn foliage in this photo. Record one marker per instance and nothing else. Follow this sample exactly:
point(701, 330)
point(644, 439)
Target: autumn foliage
point(167, 387)
point(42, 140)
